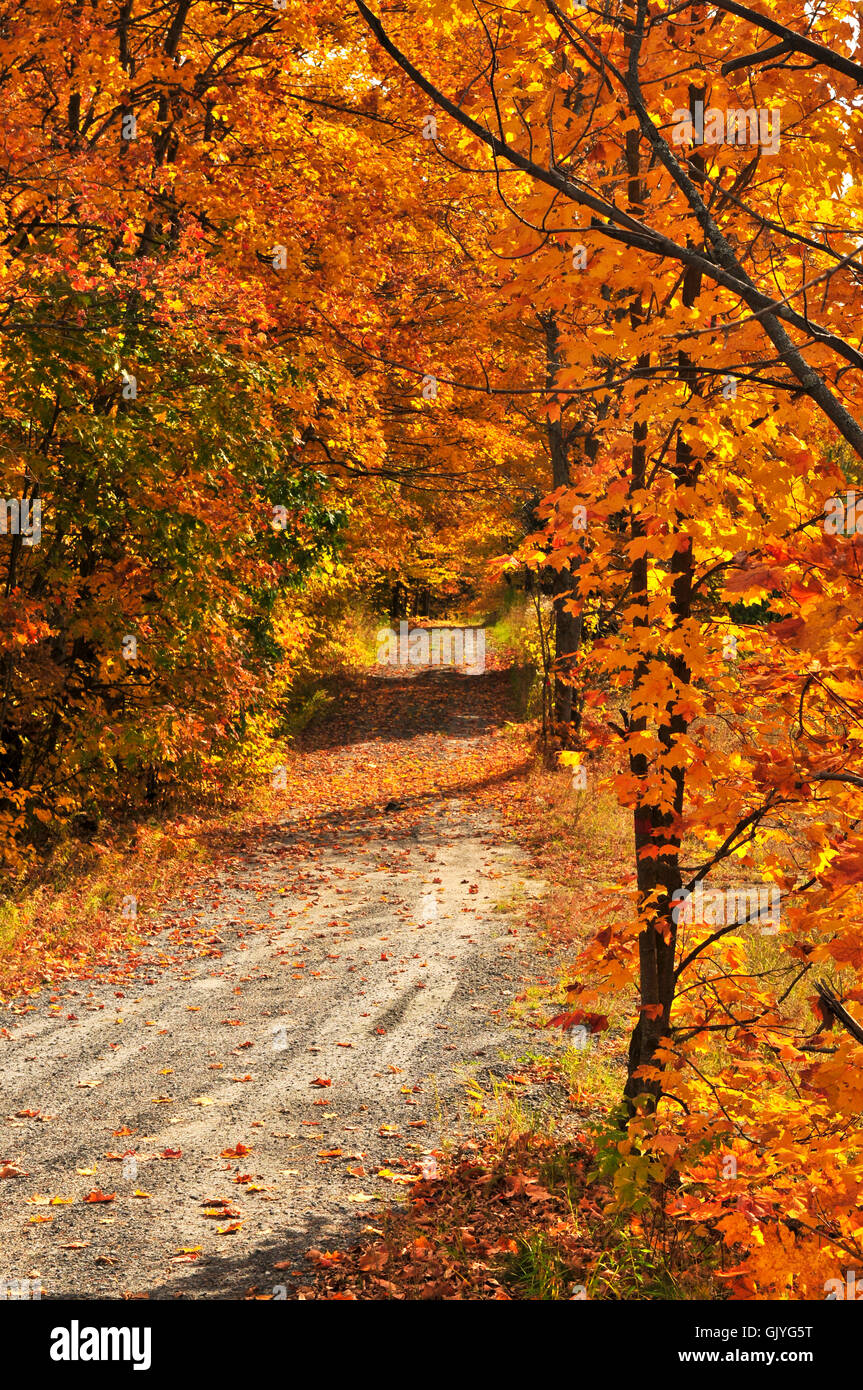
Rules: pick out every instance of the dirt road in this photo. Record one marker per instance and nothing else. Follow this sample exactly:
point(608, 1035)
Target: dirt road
point(290, 1047)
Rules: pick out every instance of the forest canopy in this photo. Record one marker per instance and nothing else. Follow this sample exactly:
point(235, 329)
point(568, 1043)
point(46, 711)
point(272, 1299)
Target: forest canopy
point(305, 304)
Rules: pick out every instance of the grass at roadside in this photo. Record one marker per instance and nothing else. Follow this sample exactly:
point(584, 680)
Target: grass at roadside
point(518, 1221)
point(88, 904)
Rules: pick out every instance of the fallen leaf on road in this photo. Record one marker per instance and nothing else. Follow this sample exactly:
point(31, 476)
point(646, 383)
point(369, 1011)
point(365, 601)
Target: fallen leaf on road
point(327, 1258)
point(97, 1195)
point(321, 1081)
point(373, 1261)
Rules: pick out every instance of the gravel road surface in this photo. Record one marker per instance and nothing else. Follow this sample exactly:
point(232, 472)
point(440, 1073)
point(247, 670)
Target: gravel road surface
point(283, 1058)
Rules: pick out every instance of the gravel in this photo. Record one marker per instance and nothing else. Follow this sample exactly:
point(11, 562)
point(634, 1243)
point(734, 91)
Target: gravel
point(401, 953)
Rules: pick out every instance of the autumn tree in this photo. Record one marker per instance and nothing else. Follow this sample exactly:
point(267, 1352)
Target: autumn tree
point(734, 257)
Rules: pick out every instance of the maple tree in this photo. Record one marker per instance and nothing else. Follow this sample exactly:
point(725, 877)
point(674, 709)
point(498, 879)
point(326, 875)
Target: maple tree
point(292, 293)
point(722, 292)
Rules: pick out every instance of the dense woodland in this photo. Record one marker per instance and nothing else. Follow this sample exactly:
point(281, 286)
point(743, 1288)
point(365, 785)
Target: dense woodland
point(314, 310)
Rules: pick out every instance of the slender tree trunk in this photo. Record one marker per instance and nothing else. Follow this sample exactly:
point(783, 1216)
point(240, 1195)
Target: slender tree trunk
point(657, 942)
point(567, 625)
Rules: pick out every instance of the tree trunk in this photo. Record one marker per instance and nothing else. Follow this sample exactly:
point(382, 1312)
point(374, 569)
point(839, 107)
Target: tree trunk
point(657, 942)
point(567, 626)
